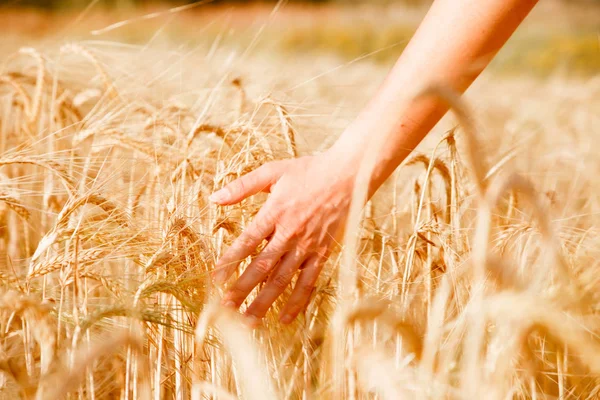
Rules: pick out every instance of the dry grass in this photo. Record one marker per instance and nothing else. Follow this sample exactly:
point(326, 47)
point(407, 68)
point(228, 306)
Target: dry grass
point(475, 268)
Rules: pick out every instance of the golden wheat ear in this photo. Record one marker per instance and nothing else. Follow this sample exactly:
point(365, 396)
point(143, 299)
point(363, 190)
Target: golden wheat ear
point(464, 280)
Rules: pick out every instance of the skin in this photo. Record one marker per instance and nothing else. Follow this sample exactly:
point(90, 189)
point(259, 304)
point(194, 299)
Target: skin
point(310, 196)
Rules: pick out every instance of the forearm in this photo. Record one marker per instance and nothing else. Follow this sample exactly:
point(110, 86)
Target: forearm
point(453, 44)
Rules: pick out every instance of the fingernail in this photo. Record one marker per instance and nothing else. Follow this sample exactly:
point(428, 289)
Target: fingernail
point(228, 304)
point(286, 319)
point(251, 320)
point(218, 197)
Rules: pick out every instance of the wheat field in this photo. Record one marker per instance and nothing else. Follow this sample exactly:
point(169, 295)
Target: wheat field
point(475, 270)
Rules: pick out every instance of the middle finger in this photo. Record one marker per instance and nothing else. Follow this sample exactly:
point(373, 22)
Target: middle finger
point(278, 281)
point(256, 272)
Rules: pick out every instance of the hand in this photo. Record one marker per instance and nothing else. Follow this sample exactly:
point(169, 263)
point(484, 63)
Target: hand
point(309, 200)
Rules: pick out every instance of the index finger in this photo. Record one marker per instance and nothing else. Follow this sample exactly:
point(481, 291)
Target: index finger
point(261, 227)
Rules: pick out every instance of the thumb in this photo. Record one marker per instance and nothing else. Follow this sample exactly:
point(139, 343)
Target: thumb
point(259, 180)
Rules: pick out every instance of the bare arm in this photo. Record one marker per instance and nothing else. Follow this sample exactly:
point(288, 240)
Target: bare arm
point(310, 196)
point(454, 43)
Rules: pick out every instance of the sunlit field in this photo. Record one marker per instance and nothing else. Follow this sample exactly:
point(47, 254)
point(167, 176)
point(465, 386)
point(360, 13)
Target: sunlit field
point(476, 269)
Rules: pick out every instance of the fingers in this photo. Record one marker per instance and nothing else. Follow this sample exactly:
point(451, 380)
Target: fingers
point(303, 289)
point(257, 271)
point(261, 227)
point(259, 180)
point(276, 284)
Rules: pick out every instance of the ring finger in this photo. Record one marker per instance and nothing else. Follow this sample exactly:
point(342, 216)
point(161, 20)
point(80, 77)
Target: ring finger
point(276, 284)
point(303, 289)
point(256, 272)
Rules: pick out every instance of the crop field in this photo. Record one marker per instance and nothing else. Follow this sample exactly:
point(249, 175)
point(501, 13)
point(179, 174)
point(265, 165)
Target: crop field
point(473, 273)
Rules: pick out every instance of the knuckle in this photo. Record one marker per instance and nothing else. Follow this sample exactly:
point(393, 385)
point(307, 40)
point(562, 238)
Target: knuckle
point(272, 211)
point(305, 290)
point(262, 265)
point(236, 187)
point(307, 245)
point(286, 234)
point(261, 226)
point(280, 241)
point(281, 281)
point(246, 241)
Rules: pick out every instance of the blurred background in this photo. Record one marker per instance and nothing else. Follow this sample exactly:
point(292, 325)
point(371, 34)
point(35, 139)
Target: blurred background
point(561, 36)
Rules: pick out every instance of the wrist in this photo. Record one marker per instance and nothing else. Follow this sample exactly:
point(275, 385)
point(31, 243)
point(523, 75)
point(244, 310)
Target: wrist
point(343, 163)
point(358, 140)
point(346, 156)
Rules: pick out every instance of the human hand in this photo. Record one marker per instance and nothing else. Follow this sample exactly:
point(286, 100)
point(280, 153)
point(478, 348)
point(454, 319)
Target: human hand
point(309, 200)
